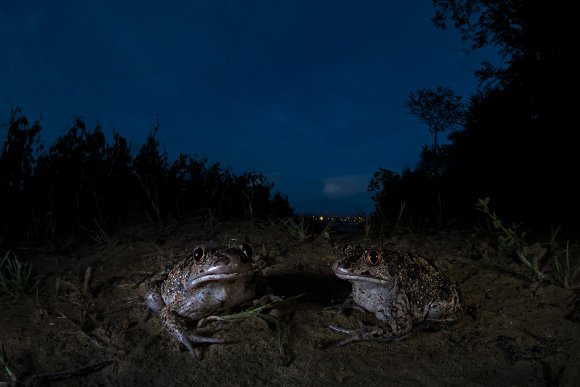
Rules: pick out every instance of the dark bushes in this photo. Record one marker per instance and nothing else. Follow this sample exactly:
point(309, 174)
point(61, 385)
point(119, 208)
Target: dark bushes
point(83, 183)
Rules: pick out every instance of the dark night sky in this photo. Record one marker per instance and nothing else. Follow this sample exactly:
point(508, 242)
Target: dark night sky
point(308, 92)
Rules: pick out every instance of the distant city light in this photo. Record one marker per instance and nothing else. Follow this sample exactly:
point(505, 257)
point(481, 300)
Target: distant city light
point(349, 219)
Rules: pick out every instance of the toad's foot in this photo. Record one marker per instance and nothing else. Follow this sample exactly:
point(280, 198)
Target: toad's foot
point(368, 333)
point(175, 325)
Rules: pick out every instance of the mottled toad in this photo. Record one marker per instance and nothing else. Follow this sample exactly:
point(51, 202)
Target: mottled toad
point(401, 288)
point(207, 281)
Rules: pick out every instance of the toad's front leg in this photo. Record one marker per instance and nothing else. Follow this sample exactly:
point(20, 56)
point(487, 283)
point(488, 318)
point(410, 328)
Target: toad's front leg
point(177, 327)
point(348, 304)
point(153, 298)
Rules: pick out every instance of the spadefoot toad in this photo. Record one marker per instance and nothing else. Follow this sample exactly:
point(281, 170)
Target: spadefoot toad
point(401, 288)
point(207, 281)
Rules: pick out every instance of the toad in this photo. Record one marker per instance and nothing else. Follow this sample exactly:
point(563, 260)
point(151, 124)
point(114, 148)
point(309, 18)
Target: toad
point(403, 290)
point(207, 281)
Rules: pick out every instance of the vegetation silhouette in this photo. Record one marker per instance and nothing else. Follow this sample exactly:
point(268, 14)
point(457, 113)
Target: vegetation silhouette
point(83, 185)
point(511, 141)
point(515, 143)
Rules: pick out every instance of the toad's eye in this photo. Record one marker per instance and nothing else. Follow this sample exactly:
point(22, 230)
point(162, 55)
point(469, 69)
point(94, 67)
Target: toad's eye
point(199, 254)
point(247, 251)
point(373, 257)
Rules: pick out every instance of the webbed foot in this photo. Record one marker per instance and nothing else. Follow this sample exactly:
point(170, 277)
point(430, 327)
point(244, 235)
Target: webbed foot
point(367, 333)
point(177, 328)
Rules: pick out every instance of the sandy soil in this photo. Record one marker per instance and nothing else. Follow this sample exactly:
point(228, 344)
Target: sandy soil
point(88, 325)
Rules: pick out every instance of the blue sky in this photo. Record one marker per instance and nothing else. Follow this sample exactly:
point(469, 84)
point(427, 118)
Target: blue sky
point(308, 92)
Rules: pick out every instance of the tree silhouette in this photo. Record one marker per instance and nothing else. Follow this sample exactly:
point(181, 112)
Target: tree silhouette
point(17, 158)
point(439, 109)
point(517, 145)
point(17, 162)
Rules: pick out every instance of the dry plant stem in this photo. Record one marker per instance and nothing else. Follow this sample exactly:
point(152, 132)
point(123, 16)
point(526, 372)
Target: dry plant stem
point(250, 199)
point(5, 363)
point(95, 340)
point(299, 229)
point(153, 197)
point(68, 374)
point(399, 217)
point(87, 280)
point(483, 206)
point(567, 273)
point(533, 266)
point(367, 226)
point(257, 312)
point(15, 276)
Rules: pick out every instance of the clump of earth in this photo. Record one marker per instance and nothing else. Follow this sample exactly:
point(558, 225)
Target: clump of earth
point(87, 322)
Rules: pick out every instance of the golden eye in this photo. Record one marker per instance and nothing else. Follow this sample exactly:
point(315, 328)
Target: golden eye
point(199, 254)
point(373, 257)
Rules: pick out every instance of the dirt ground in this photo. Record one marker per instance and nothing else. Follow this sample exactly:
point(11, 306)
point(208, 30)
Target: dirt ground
point(87, 324)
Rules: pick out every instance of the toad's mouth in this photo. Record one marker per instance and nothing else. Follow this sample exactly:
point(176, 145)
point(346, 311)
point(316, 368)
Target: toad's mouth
point(348, 276)
point(362, 278)
point(220, 276)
